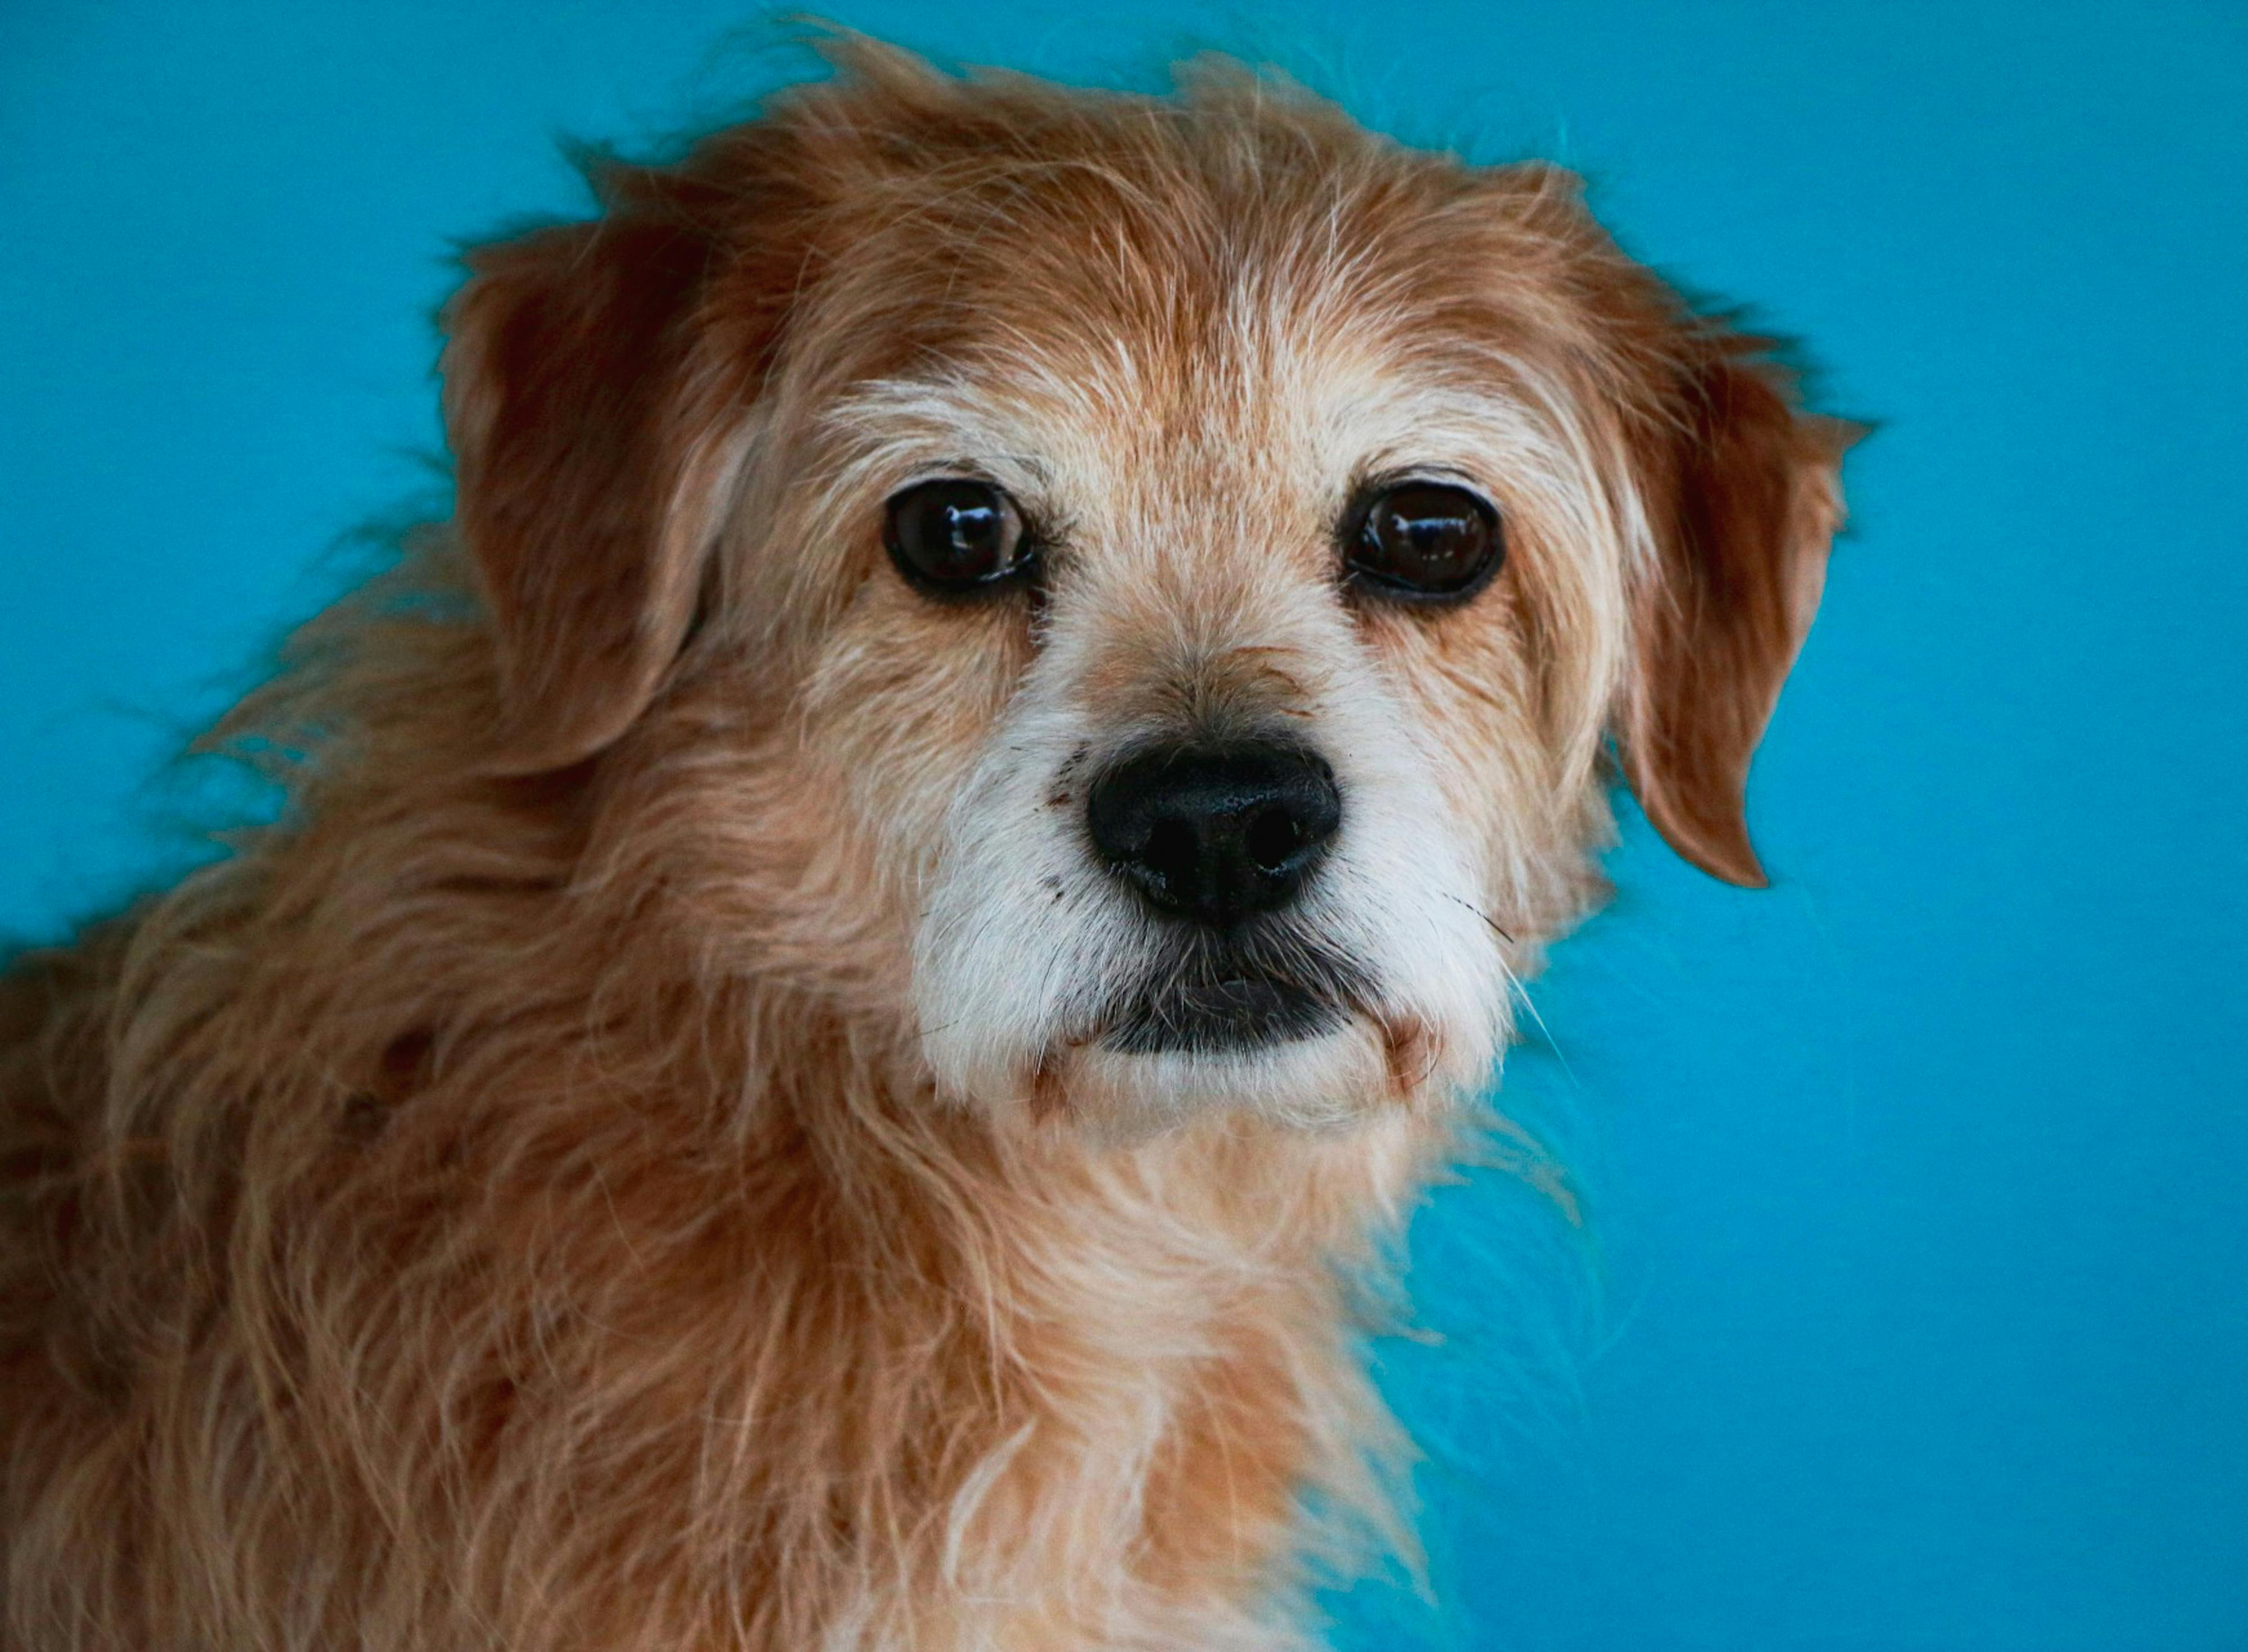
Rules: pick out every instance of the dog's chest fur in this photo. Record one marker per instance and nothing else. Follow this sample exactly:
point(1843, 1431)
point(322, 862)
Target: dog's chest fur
point(643, 1346)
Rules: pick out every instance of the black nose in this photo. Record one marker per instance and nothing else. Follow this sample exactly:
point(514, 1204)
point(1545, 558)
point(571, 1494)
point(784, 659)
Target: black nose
point(1215, 832)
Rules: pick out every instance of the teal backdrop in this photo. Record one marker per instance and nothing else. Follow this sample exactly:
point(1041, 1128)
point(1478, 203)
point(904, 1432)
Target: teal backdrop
point(1910, 1314)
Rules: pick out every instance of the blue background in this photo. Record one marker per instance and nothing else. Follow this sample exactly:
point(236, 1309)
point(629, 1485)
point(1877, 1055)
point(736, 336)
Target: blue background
point(1913, 1313)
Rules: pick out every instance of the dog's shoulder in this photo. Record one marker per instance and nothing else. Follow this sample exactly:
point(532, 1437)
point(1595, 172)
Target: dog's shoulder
point(54, 1004)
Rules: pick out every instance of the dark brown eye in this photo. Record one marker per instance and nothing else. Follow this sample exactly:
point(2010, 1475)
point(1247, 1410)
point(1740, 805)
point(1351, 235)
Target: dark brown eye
point(1422, 541)
point(955, 535)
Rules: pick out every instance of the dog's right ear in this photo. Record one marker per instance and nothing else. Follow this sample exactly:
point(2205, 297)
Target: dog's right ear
point(590, 405)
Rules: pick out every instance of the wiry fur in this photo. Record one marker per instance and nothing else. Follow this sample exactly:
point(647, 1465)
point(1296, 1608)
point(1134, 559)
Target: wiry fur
point(626, 1161)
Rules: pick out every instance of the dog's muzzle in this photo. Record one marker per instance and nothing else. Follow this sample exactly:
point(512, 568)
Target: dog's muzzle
point(1219, 841)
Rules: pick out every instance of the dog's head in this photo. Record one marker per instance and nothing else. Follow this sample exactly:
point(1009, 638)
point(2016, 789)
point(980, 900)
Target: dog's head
point(1138, 590)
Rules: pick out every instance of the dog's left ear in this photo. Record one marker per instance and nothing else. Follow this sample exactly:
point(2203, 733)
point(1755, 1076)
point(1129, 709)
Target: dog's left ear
point(590, 419)
point(1743, 497)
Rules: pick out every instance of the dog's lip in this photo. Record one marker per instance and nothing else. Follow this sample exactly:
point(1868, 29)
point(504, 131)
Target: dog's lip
point(1227, 1015)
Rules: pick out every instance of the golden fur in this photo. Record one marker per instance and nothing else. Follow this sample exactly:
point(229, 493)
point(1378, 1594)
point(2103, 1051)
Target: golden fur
point(614, 1166)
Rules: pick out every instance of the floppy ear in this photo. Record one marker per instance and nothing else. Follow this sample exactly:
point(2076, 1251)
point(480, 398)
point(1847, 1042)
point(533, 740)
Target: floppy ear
point(591, 458)
point(1743, 497)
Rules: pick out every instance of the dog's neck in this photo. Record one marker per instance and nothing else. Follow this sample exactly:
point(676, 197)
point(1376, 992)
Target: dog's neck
point(965, 1327)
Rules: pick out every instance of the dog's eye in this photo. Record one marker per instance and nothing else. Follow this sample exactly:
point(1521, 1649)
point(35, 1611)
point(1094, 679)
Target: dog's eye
point(955, 535)
point(1422, 541)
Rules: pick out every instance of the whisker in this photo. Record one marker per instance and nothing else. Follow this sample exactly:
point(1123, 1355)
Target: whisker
point(1485, 916)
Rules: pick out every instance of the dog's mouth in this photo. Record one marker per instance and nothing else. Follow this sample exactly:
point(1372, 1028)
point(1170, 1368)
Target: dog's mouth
point(1227, 1001)
point(1242, 1012)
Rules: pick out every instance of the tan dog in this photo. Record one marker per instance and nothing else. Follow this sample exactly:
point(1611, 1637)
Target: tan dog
point(866, 943)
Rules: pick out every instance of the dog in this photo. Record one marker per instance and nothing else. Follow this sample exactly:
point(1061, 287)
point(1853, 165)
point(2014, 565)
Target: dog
point(867, 947)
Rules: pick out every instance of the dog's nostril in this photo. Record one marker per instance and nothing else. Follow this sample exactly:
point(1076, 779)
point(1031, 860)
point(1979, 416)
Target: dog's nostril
point(1215, 832)
point(1273, 837)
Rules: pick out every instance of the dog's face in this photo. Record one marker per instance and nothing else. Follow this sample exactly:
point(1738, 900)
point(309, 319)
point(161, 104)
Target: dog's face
point(1170, 569)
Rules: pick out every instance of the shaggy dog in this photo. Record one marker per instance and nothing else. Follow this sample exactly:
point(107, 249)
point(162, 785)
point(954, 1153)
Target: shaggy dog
point(864, 944)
